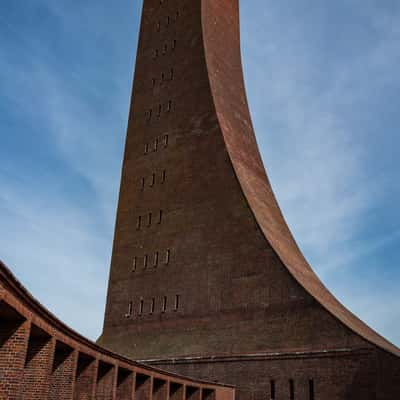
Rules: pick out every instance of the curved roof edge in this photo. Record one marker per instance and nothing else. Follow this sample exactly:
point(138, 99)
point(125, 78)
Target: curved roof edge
point(220, 21)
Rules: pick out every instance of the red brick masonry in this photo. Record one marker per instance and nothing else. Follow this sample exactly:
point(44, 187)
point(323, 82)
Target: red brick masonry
point(206, 278)
point(41, 358)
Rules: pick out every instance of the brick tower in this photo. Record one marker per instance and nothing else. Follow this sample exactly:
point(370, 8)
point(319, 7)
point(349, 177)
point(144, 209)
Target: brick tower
point(206, 278)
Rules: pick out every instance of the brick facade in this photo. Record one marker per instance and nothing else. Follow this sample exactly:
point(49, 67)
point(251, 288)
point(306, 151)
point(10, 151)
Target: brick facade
point(204, 268)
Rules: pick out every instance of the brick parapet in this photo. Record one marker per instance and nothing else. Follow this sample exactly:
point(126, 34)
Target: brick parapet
point(42, 358)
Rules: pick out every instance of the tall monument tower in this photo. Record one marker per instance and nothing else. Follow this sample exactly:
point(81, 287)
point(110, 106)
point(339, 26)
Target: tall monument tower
point(206, 278)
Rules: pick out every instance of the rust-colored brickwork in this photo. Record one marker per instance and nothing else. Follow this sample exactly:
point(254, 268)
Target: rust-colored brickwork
point(41, 358)
point(204, 266)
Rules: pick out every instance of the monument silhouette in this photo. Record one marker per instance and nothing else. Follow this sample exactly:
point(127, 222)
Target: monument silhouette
point(206, 278)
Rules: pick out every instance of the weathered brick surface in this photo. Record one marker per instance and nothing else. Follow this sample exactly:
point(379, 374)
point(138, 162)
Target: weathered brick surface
point(217, 272)
point(13, 345)
point(38, 361)
point(62, 375)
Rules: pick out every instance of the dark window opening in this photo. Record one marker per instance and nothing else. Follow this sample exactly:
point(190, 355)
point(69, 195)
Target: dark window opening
point(130, 310)
point(143, 183)
point(169, 108)
point(164, 304)
point(166, 140)
point(145, 260)
point(159, 111)
point(291, 388)
point(167, 256)
point(174, 45)
point(163, 176)
point(160, 217)
point(153, 82)
point(156, 259)
point(141, 306)
point(155, 144)
point(149, 219)
point(146, 148)
point(134, 264)
point(171, 74)
point(177, 302)
point(153, 180)
point(311, 389)
point(139, 223)
point(152, 305)
point(273, 390)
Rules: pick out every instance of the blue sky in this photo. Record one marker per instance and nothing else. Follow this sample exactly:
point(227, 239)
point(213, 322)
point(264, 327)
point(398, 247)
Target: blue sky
point(324, 91)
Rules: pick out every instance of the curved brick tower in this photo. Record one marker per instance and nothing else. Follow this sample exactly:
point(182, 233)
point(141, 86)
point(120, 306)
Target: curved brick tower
point(206, 278)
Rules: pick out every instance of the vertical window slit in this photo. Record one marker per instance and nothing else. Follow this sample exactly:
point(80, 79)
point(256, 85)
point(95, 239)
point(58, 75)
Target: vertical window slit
point(291, 389)
point(166, 140)
point(130, 310)
point(160, 217)
point(177, 302)
point(141, 306)
point(145, 261)
point(311, 389)
point(139, 222)
point(163, 176)
point(134, 264)
point(167, 257)
point(146, 148)
point(156, 259)
point(273, 390)
point(152, 305)
point(164, 304)
point(143, 183)
point(153, 180)
point(156, 144)
point(149, 219)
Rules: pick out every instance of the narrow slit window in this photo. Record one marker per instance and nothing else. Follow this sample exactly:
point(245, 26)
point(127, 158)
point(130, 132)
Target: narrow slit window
point(164, 304)
point(273, 389)
point(145, 261)
point(177, 302)
point(291, 389)
point(162, 77)
point(134, 264)
point(130, 310)
point(155, 144)
point(139, 223)
point(165, 49)
point(166, 138)
point(163, 176)
point(149, 114)
point(158, 26)
point(156, 256)
point(169, 108)
point(160, 217)
point(141, 306)
point(168, 20)
point(311, 389)
point(171, 74)
point(152, 305)
point(146, 148)
point(153, 180)
point(159, 111)
point(149, 219)
point(142, 183)
point(167, 257)
point(153, 82)
point(155, 54)
point(174, 44)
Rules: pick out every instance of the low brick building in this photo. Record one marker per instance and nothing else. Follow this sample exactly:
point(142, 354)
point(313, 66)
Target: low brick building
point(206, 278)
